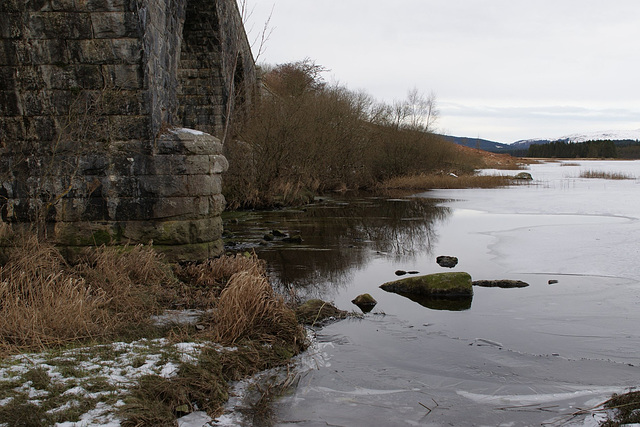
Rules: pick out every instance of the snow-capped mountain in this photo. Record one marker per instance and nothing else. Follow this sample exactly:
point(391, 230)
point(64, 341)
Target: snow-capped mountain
point(613, 135)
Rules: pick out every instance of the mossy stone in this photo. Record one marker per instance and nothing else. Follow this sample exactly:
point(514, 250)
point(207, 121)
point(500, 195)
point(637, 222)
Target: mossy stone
point(454, 284)
point(365, 302)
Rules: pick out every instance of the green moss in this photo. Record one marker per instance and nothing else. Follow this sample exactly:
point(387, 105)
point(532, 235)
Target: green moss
point(103, 237)
point(454, 284)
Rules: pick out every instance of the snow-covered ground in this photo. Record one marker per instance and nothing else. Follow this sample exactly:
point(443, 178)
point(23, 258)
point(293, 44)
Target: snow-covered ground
point(92, 377)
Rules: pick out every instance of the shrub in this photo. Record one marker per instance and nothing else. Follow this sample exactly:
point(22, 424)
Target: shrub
point(604, 175)
point(305, 137)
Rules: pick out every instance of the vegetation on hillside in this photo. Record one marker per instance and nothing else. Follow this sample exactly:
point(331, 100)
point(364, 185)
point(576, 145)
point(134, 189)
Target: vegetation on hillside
point(571, 150)
point(307, 136)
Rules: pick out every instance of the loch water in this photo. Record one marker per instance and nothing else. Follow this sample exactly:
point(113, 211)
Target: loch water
point(538, 355)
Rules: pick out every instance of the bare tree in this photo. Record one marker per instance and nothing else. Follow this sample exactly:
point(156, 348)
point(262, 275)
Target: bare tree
point(422, 112)
point(232, 59)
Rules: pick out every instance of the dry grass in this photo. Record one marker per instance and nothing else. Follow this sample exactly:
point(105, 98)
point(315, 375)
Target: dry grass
point(203, 282)
point(135, 280)
point(42, 303)
point(315, 312)
point(112, 291)
point(626, 407)
point(46, 302)
point(157, 401)
point(428, 182)
point(605, 175)
point(249, 308)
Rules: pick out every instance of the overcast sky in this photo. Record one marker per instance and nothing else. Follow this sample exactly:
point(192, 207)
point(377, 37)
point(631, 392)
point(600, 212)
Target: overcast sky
point(502, 70)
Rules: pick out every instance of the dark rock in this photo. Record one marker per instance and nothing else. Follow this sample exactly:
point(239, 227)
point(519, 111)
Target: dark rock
point(293, 239)
point(400, 272)
point(434, 285)
point(365, 302)
point(447, 261)
point(552, 282)
point(278, 233)
point(268, 237)
point(500, 283)
point(413, 272)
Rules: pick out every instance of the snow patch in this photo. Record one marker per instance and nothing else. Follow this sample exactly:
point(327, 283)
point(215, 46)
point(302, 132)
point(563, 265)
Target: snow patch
point(187, 130)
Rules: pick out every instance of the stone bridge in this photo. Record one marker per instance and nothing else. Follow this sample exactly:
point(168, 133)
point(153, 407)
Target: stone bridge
point(98, 99)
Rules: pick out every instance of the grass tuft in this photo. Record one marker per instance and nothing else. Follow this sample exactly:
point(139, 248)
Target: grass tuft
point(315, 312)
point(207, 280)
point(43, 303)
point(626, 409)
point(249, 308)
point(605, 175)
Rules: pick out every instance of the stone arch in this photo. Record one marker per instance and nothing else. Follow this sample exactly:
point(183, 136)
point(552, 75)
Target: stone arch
point(135, 69)
point(213, 68)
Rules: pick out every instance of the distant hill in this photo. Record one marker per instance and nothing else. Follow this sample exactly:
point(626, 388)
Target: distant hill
point(616, 135)
point(519, 148)
point(481, 144)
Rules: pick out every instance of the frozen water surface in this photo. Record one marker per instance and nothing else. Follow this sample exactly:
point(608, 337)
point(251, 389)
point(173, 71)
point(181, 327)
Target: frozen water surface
point(517, 357)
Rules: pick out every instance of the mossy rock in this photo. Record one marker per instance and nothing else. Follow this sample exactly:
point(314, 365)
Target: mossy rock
point(443, 285)
point(506, 283)
point(316, 312)
point(365, 302)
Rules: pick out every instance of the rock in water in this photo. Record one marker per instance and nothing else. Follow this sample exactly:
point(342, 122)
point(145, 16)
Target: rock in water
point(365, 302)
point(501, 283)
point(447, 261)
point(440, 285)
point(293, 239)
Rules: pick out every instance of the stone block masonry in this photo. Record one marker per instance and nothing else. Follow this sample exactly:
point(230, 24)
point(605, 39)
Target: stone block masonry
point(95, 96)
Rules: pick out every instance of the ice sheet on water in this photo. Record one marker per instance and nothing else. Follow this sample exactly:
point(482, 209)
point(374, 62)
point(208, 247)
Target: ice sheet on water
point(529, 399)
point(562, 223)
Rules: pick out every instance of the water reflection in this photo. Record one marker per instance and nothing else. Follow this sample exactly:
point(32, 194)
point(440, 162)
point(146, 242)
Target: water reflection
point(448, 304)
point(339, 236)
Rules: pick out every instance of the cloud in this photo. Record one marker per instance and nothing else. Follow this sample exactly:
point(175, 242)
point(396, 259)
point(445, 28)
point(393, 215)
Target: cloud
point(520, 62)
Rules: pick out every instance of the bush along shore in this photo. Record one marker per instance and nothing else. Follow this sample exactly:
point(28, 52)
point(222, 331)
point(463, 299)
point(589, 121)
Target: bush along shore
point(123, 337)
point(305, 137)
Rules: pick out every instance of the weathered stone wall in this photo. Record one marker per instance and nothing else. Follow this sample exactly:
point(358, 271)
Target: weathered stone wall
point(90, 94)
point(211, 34)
